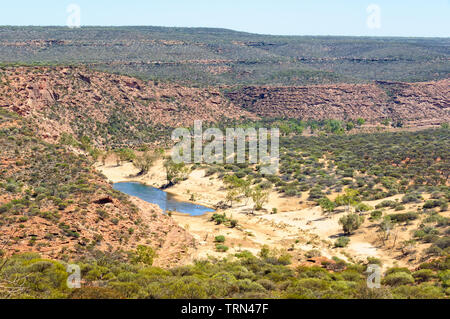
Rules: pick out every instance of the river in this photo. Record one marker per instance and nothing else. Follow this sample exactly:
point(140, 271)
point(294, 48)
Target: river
point(166, 201)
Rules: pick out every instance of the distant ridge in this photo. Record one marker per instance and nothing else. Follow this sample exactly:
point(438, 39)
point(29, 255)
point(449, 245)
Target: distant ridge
point(208, 56)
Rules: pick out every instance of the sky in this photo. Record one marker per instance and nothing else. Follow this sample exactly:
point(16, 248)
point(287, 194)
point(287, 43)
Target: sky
point(411, 18)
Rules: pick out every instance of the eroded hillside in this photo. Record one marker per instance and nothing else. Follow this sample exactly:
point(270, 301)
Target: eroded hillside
point(53, 202)
point(111, 109)
point(416, 103)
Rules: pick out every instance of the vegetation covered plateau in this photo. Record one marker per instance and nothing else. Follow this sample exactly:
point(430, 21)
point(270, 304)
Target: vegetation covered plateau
point(201, 56)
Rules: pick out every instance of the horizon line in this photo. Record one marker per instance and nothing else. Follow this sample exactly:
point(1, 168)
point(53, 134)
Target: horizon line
point(224, 29)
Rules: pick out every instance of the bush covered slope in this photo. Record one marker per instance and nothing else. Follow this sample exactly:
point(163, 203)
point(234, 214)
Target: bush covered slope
point(243, 276)
point(217, 56)
point(53, 202)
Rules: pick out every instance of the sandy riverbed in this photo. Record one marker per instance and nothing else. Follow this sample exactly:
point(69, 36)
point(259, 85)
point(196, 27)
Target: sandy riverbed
point(298, 227)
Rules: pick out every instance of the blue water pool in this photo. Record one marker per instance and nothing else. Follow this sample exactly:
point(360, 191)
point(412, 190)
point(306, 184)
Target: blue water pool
point(161, 198)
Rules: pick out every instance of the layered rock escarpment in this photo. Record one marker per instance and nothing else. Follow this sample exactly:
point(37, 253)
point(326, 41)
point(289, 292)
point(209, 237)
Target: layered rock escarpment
point(427, 102)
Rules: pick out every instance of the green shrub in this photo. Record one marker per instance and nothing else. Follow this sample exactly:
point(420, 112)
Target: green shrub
point(434, 251)
point(422, 291)
point(342, 242)
point(144, 255)
point(400, 218)
point(351, 275)
point(221, 248)
point(386, 203)
point(398, 279)
point(431, 204)
point(361, 207)
point(376, 215)
point(444, 206)
point(412, 198)
point(374, 261)
point(284, 259)
point(219, 218)
point(424, 275)
point(443, 242)
point(219, 239)
point(397, 270)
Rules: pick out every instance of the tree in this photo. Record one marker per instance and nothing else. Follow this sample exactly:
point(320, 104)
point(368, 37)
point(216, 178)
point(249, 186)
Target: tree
point(241, 186)
point(95, 153)
point(260, 197)
point(327, 205)
point(333, 126)
point(145, 161)
point(265, 251)
point(232, 196)
point(102, 157)
point(351, 222)
point(175, 172)
point(246, 190)
point(385, 227)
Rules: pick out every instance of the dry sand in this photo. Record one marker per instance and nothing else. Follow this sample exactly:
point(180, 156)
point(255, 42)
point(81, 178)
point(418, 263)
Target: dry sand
point(297, 228)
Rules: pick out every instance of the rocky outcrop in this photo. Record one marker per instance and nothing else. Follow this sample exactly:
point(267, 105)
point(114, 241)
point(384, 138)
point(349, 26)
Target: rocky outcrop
point(77, 100)
point(409, 102)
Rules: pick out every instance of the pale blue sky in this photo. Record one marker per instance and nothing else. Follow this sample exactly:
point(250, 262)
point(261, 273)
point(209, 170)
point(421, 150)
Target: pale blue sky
point(284, 17)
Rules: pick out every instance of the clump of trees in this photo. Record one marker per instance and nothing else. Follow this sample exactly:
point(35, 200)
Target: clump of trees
point(239, 188)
